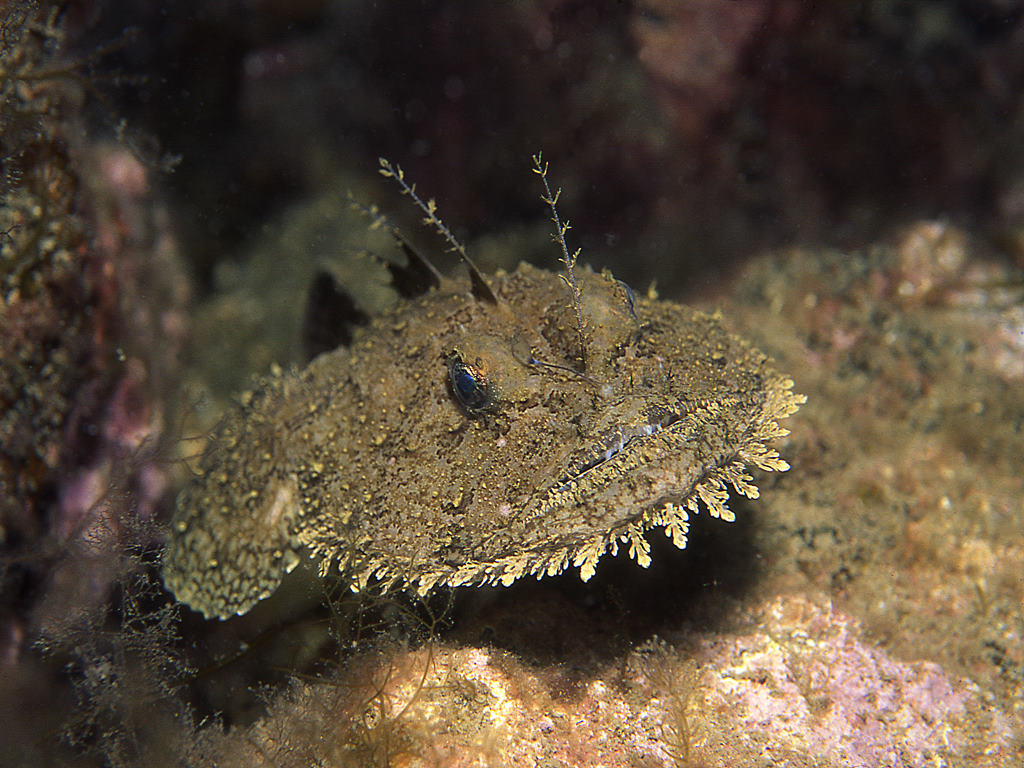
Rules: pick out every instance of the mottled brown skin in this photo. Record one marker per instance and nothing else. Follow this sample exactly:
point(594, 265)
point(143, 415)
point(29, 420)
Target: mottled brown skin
point(368, 461)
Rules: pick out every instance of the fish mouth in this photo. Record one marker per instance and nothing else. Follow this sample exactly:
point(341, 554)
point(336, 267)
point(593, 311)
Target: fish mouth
point(613, 441)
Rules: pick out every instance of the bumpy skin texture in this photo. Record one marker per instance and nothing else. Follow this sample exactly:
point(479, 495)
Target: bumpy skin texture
point(367, 461)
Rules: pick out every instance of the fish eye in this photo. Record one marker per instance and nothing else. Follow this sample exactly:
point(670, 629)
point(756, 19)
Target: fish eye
point(469, 384)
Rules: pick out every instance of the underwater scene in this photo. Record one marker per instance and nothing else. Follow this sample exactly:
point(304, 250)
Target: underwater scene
point(530, 383)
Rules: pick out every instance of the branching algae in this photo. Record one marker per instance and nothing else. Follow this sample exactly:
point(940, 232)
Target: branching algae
point(485, 430)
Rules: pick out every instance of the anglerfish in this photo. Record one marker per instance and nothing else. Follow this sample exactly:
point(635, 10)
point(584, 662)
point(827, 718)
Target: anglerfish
point(484, 430)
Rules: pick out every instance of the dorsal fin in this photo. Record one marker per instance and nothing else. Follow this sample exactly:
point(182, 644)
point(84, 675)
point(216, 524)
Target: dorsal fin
point(481, 288)
point(331, 314)
point(417, 275)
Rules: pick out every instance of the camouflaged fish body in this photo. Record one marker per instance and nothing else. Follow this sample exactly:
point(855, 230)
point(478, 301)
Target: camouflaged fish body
point(372, 461)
